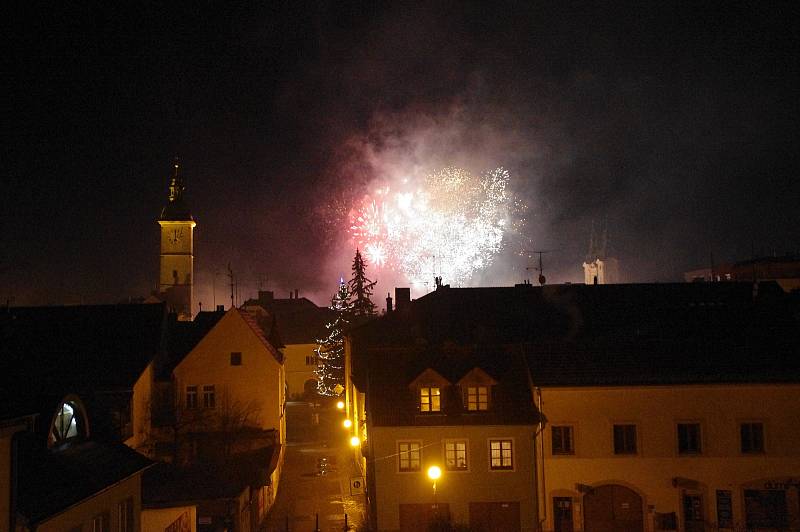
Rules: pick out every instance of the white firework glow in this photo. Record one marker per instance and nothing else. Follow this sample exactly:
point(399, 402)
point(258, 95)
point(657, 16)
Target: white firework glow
point(450, 224)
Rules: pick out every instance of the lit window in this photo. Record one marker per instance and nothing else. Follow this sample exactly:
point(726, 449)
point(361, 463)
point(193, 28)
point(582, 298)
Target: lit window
point(430, 400)
point(209, 397)
point(409, 456)
point(501, 455)
point(191, 397)
point(125, 515)
point(624, 439)
point(68, 423)
point(477, 398)
point(689, 441)
point(752, 437)
point(236, 358)
point(562, 439)
point(455, 455)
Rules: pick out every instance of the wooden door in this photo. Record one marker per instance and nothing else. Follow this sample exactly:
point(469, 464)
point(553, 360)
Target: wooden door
point(494, 516)
point(693, 513)
point(613, 508)
point(419, 517)
point(562, 514)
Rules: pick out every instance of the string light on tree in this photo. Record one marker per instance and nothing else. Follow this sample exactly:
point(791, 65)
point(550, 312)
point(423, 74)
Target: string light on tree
point(330, 350)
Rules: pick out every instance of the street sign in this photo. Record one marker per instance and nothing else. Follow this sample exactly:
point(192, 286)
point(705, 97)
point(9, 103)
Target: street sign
point(357, 486)
point(338, 389)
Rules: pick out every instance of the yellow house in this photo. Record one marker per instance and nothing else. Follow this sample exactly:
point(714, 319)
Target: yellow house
point(467, 412)
point(683, 457)
point(232, 379)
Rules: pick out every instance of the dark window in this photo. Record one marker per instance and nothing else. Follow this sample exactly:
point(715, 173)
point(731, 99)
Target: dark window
point(562, 440)
point(766, 509)
point(125, 515)
point(624, 439)
point(101, 523)
point(209, 396)
point(311, 360)
point(236, 358)
point(752, 437)
point(689, 438)
point(191, 397)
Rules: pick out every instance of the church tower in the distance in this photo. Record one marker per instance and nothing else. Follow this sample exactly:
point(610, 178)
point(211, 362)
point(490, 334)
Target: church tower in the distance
point(176, 277)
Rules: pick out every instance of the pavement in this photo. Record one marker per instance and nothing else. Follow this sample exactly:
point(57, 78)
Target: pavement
point(309, 499)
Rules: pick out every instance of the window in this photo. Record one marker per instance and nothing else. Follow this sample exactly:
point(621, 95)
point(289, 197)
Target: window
point(409, 456)
point(455, 455)
point(477, 398)
point(125, 515)
point(311, 360)
point(236, 358)
point(430, 400)
point(624, 439)
point(191, 397)
point(562, 439)
point(67, 423)
point(209, 397)
point(501, 455)
point(100, 523)
point(752, 437)
point(689, 438)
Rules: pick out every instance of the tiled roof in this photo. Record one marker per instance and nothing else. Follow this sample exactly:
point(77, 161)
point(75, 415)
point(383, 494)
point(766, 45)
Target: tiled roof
point(259, 332)
point(607, 334)
point(75, 348)
point(51, 481)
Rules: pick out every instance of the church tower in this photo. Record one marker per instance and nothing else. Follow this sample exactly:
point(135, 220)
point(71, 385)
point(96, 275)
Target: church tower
point(176, 277)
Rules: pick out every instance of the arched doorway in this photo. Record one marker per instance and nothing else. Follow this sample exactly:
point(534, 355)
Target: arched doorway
point(613, 508)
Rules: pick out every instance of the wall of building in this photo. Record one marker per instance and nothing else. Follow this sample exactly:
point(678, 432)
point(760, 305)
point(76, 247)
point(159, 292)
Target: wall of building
point(158, 519)
point(658, 472)
point(298, 369)
point(6, 435)
point(141, 411)
point(105, 501)
point(455, 488)
point(257, 385)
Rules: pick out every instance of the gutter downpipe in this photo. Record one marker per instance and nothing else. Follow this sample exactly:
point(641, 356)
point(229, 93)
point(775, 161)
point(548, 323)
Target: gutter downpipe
point(538, 462)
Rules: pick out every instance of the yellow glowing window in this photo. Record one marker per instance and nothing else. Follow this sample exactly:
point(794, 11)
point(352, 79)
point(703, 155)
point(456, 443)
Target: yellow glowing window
point(477, 398)
point(455, 454)
point(409, 456)
point(501, 454)
point(430, 400)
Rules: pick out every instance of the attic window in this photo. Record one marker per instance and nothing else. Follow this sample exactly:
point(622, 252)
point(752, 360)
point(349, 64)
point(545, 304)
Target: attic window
point(477, 398)
point(68, 423)
point(430, 399)
point(236, 358)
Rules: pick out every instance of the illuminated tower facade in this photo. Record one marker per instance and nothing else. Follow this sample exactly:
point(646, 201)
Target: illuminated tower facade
point(176, 274)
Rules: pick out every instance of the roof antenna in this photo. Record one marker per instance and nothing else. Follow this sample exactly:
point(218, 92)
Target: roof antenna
point(540, 269)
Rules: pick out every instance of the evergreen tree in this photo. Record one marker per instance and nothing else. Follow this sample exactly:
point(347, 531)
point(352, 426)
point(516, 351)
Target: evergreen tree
point(330, 350)
point(361, 289)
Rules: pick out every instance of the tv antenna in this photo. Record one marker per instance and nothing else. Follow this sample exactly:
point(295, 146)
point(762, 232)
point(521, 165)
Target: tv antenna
point(540, 269)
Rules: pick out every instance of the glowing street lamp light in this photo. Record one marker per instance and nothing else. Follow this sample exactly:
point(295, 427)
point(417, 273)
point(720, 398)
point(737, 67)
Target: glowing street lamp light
point(355, 441)
point(347, 423)
point(434, 472)
point(340, 405)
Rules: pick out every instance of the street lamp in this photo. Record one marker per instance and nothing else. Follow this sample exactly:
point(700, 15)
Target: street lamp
point(434, 473)
point(347, 423)
point(355, 441)
point(340, 405)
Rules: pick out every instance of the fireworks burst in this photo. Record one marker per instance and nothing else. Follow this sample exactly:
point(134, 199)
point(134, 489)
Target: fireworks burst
point(451, 224)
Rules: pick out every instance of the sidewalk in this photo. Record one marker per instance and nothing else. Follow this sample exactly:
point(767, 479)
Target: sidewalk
point(304, 496)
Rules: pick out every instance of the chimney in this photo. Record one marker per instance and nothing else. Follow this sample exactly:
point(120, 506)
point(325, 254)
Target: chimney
point(220, 308)
point(388, 303)
point(296, 293)
point(403, 298)
point(266, 296)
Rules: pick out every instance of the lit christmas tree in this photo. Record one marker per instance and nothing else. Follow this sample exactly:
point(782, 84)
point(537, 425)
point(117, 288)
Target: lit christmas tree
point(330, 350)
point(361, 289)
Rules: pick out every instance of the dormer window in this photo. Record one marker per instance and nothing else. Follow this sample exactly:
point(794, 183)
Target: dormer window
point(69, 422)
point(430, 399)
point(477, 398)
point(476, 388)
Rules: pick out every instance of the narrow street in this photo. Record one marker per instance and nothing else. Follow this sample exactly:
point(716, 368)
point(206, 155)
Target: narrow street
point(307, 497)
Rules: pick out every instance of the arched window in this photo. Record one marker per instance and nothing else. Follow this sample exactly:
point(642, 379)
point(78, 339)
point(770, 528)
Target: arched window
point(69, 422)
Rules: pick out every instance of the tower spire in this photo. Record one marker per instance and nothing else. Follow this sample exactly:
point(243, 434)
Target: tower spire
point(176, 207)
point(176, 185)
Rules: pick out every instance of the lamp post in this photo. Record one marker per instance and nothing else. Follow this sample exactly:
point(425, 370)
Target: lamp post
point(434, 473)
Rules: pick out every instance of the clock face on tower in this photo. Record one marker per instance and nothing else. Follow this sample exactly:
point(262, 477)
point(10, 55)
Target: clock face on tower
point(175, 236)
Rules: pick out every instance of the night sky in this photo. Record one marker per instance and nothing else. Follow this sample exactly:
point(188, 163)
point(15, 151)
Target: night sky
point(678, 128)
